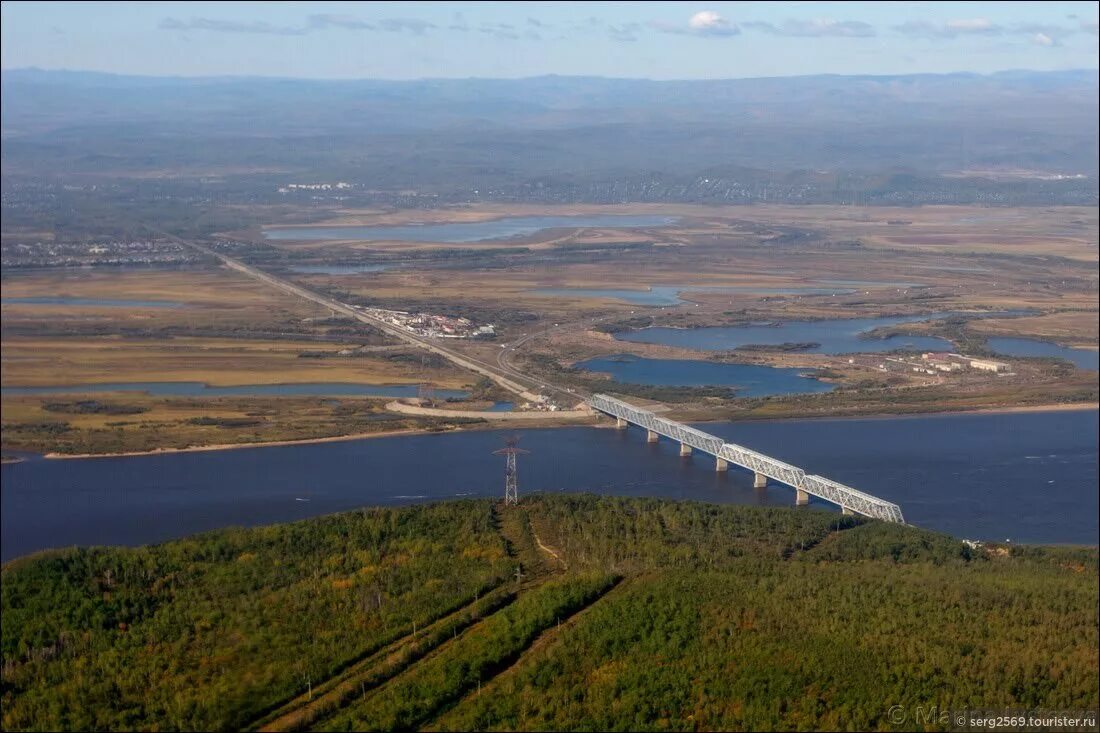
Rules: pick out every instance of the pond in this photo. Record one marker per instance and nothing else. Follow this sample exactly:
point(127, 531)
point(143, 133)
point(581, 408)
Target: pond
point(472, 231)
point(336, 269)
point(670, 294)
point(836, 336)
point(748, 380)
point(1082, 358)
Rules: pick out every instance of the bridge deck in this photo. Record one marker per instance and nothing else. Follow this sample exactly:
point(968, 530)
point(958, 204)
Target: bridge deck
point(819, 486)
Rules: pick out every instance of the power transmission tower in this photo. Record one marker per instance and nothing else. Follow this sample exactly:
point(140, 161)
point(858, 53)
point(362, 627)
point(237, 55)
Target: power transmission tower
point(511, 485)
point(426, 391)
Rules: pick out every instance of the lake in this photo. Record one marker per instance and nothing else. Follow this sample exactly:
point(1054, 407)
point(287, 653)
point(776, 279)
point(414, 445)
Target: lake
point(839, 336)
point(336, 269)
point(106, 302)
point(670, 294)
point(750, 380)
point(1031, 477)
point(473, 231)
point(1082, 358)
point(199, 389)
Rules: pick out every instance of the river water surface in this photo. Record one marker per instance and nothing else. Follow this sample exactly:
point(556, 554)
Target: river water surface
point(1029, 477)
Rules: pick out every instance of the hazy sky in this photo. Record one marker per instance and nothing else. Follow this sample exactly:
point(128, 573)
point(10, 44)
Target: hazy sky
point(658, 40)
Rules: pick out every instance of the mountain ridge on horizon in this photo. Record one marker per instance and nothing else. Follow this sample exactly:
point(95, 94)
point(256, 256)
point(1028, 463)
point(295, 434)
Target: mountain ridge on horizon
point(93, 73)
point(480, 133)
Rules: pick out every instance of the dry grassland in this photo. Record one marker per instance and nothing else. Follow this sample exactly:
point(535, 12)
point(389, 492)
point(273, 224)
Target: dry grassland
point(218, 362)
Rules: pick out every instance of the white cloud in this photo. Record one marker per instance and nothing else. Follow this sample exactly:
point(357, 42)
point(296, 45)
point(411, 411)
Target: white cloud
point(228, 26)
point(949, 29)
point(1040, 34)
point(710, 23)
point(817, 28)
point(971, 25)
point(333, 20)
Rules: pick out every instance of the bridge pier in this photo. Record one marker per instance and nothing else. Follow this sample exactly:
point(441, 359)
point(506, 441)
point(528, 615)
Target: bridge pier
point(763, 467)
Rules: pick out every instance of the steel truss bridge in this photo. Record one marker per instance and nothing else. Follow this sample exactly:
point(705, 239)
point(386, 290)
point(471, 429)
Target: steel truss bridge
point(764, 467)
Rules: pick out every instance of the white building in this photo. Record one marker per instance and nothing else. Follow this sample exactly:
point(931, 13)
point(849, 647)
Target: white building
point(988, 365)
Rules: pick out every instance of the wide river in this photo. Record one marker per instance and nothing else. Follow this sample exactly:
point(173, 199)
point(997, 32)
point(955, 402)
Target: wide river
point(1028, 477)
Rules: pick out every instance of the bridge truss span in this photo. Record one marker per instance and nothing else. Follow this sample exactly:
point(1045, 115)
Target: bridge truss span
point(849, 499)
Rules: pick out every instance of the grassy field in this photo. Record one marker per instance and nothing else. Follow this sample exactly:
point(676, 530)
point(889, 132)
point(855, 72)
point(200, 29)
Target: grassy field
point(1060, 231)
point(220, 362)
point(960, 257)
point(135, 423)
point(563, 613)
point(262, 337)
point(1072, 328)
point(232, 330)
point(211, 297)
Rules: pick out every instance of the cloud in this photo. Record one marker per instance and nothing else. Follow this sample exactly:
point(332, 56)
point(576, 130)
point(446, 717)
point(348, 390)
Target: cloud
point(1040, 34)
point(703, 23)
point(316, 22)
point(710, 23)
point(972, 25)
point(228, 26)
point(402, 25)
point(949, 29)
point(330, 20)
point(458, 23)
point(504, 31)
point(1090, 26)
point(624, 32)
point(817, 28)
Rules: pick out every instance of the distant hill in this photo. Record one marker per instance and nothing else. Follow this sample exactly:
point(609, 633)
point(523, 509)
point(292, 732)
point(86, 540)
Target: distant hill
point(564, 613)
point(546, 125)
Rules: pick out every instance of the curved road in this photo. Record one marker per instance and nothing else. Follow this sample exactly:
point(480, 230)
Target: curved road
point(507, 351)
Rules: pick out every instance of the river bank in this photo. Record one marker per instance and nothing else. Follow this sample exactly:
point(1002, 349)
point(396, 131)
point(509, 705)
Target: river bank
point(572, 419)
point(1027, 476)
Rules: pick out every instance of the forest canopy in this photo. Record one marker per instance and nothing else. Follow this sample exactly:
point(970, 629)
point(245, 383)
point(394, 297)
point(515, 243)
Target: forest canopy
point(565, 612)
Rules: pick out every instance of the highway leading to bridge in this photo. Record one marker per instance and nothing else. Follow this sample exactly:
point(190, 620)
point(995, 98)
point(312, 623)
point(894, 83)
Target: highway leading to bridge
point(509, 379)
point(504, 374)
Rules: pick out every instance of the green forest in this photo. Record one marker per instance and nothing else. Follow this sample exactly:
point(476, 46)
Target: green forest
point(565, 612)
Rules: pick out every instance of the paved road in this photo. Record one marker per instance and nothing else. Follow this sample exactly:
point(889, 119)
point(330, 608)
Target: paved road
point(507, 351)
point(504, 375)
